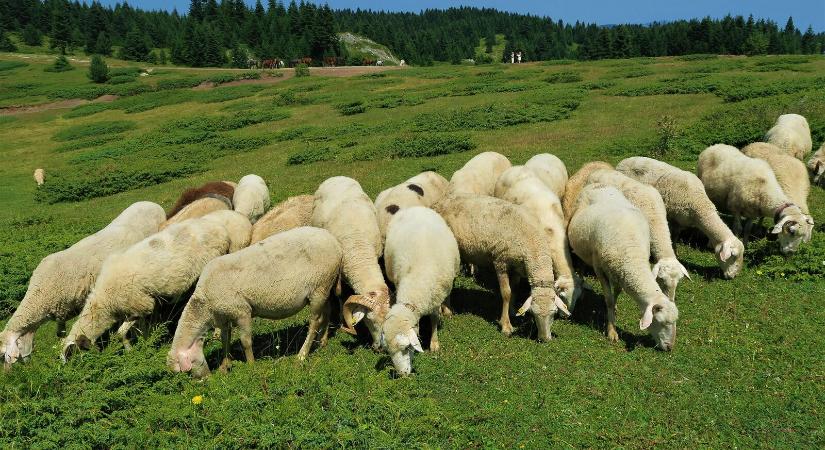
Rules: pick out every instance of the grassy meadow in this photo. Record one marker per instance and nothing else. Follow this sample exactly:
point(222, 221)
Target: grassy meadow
point(747, 371)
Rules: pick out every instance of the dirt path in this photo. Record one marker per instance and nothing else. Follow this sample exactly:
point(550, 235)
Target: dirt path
point(62, 104)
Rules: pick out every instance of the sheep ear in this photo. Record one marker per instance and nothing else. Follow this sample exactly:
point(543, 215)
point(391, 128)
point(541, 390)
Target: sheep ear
point(820, 168)
point(684, 271)
point(655, 270)
point(525, 307)
point(416, 344)
point(560, 292)
point(561, 306)
point(647, 318)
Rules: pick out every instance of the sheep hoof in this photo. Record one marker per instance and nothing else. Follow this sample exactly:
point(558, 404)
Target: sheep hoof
point(612, 336)
point(507, 330)
point(446, 312)
point(435, 346)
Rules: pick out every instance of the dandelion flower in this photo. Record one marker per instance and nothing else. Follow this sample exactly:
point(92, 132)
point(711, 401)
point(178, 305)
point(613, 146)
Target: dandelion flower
point(197, 400)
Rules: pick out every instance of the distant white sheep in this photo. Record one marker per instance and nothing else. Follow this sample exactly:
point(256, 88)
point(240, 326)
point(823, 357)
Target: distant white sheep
point(59, 285)
point(792, 134)
point(39, 177)
point(422, 260)
point(251, 197)
point(479, 174)
point(611, 235)
point(300, 269)
point(816, 166)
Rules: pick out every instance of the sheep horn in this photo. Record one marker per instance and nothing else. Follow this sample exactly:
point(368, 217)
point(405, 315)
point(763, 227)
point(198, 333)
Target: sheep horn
point(349, 318)
point(525, 307)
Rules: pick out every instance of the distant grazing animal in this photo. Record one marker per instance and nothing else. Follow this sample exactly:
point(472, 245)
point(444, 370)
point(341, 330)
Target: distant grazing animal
point(816, 166)
point(379, 63)
point(306, 60)
point(367, 62)
point(330, 61)
point(39, 176)
point(188, 196)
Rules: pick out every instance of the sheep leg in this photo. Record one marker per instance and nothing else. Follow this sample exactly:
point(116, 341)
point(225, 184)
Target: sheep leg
point(504, 288)
point(737, 225)
point(245, 335)
point(325, 324)
point(61, 328)
point(434, 320)
point(748, 227)
point(447, 307)
point(316, 318)
point(123, 332)
point(610, 304)
point(226, 341)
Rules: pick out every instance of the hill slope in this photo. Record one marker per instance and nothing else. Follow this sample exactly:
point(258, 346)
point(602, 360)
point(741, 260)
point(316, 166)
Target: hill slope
point(362, 47)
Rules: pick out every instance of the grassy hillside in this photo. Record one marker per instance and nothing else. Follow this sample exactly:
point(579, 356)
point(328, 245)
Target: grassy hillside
point(747, 370)
point(360, 47)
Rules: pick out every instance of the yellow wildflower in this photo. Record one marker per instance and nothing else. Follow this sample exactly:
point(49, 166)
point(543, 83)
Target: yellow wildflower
point(197, 400)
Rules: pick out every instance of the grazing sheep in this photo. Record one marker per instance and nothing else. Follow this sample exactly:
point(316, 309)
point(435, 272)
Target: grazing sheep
point(218, 189)
point(291, 213)
point(275, 278)
point(423, 189)
point(479, 174)
point(550, 170)
point(667, 270)
point(792, 134)
point(238, 226)
point(612, 236)
point(576, 183)
point(60, 283)
point(199, 208)
point(251, 197)
point(342, 208)
point(491, 231)
point(422, 260)
point(39, 176)
point(747, 187)
point(164, 265)
point(816, 166)
point(520, 185)
point(791, 173)
point(688, 206)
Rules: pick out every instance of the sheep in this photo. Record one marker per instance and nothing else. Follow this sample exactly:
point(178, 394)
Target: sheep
point(238, 226)
point(342, 208)
point(816, 166)
point(747, 187)
point(199, 208)
point(164, 265)
point(667, 270)
point(576, 183)
point(291, 213)
point(218, 189)
point(422, 260)
point(792, 134)
point(688, 206)
point(520, 185)
point(550, 170)
point(791, 173)
point(275, 278)
point(423, 189)
point(494, 231)
point(251, 197)
point(39, 177)
point(60, 283)
point(611, 235)
point(479, 174)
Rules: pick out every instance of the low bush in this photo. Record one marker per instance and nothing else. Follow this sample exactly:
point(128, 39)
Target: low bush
point(311, 155)
point(301, 70)
point(290, 97)
point(121, 79)
point(87, 143)
point(93, 129)
point(434, 144)
point(564, 77)
point(496, 116)
point(351, 108)
point(61, 64)
point(599, 85)
point(697, 57)
point(11, 65)
point(225, 94)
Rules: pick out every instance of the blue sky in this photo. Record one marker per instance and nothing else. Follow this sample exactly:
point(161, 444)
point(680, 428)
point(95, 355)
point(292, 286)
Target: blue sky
point(804, 12)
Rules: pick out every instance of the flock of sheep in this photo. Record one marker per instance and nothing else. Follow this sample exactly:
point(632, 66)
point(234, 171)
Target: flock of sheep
point(246, 260)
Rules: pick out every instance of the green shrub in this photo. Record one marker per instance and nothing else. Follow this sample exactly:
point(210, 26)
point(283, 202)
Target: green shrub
point(93, 129)
point(289, 98)
point(87, 143)
point(86, 110)
point(11, 65)
point(425, 145)
point(225, 94)
point(311, 155)
point(61, 64)
point(301, 70)
point(133, 72)
point(598, 85)
point(121, 79)
point(564, 77)
point(351, 108)
point(633, 72)
point(496, 116)
point(696, 57)
point(98, 70)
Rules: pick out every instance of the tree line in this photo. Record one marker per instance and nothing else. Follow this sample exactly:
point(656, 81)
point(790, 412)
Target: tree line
point(228, 32)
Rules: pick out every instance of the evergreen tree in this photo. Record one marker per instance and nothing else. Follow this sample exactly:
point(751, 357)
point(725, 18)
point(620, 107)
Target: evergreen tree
point(98, 70)
point(756, 44)
point(239, 57)
point(196, 10)
point(31, 36)
point(61, 35)
point(163, 58)
point(6, 45)
point(135, 47)
point(103, 45)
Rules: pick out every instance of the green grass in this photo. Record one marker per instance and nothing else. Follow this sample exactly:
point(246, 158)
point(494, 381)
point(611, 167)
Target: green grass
point(747, 370)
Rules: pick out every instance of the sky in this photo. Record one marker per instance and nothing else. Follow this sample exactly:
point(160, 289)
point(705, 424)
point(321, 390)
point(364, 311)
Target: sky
point(603, 12)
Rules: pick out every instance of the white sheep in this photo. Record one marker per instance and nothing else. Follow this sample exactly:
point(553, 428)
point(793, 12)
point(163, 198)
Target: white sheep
point(238, 226)
point(423, 189)
point(611, 235)
point(479, 174)
point(422, 260)
point(520, 185)
point(667, 270)
point(60, 283)
point(274, 278)
point(495, 232)
point(791, 173)
point(39, 177)
point(747, 187)
point(291, 213)
point(550, 170)
point(688, 206)
point(816, 166)
point(164, 265)
point(342, 208)
point(792, 134)
point(576, 183)
point(251, 197)
point(199, 208)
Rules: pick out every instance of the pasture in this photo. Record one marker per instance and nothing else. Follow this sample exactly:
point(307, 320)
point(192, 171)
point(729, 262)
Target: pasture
point(747, 370)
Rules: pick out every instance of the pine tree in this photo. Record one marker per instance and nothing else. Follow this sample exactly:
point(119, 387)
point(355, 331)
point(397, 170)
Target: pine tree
point(103, 45)
point(239, 56)
point(61, 35)
point(6, 45)
point(98, 70)
point(135, 47)
point(196, 10)
point(31, 36)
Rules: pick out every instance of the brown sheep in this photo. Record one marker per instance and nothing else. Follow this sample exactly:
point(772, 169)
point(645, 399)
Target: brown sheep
point(221, 188)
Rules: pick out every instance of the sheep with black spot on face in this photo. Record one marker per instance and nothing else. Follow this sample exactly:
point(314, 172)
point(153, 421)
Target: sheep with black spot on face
point(423, 189)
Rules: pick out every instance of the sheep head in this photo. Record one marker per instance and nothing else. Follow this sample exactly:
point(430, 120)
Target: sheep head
point(543, 303)
point(660, 318)
point(730, 254)
point(372, 306)
point(668, 272)
point(793, 229)
point(189, 359)
point(15, 346)
point(817, 172)
point(399, 338)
